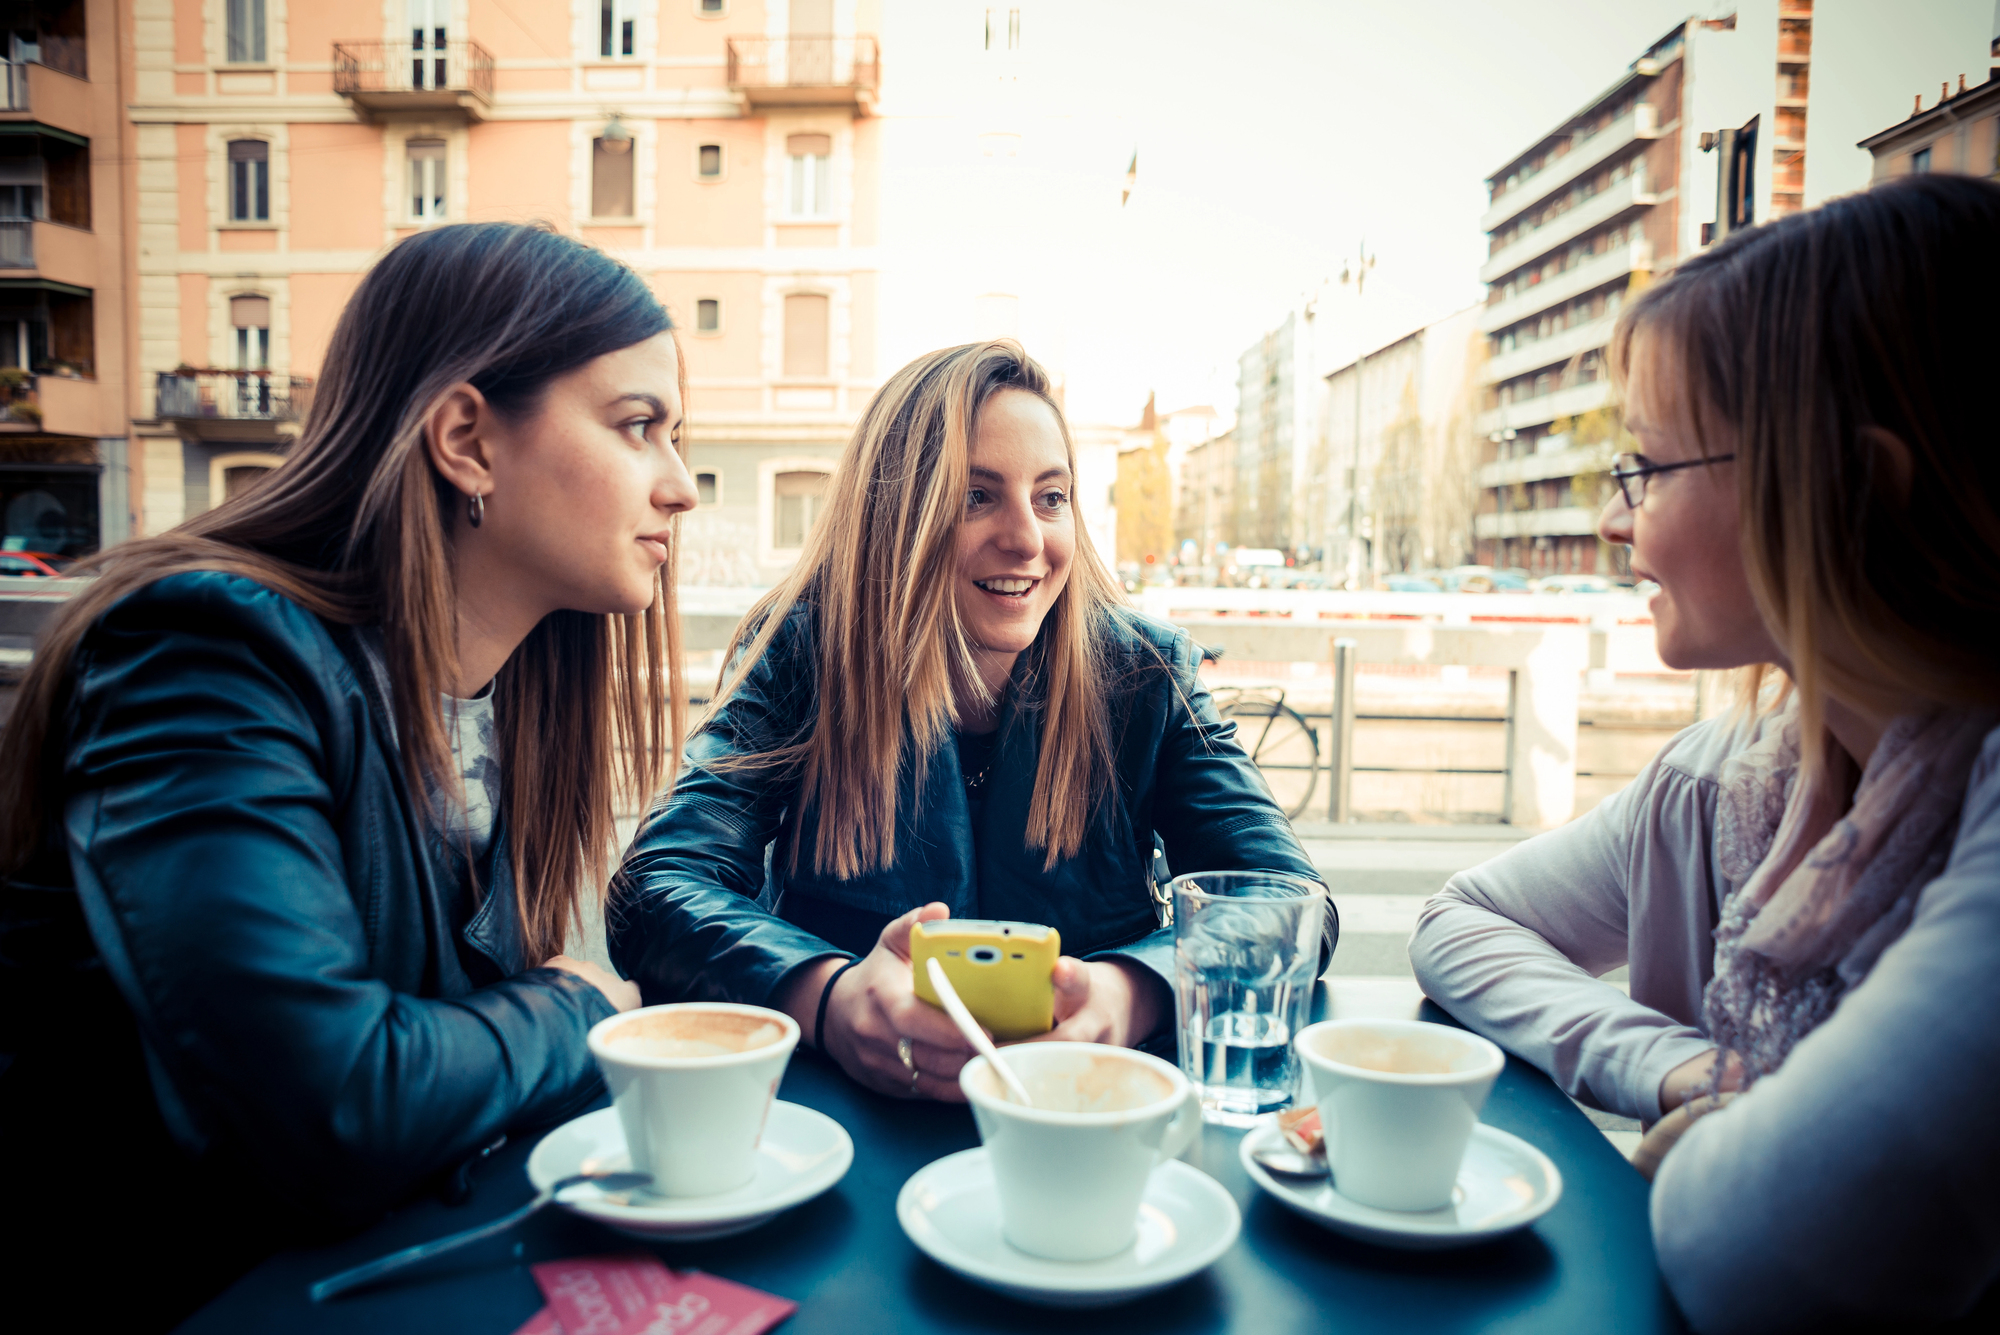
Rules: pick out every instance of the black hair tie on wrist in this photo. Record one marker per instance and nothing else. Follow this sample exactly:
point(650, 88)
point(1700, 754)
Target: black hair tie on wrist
point(825, 995)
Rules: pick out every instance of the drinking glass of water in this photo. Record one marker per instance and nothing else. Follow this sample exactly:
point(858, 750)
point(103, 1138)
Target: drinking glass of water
point(1246, 955)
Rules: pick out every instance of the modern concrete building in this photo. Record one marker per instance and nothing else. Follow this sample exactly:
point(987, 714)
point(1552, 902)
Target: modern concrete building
point(63, 347)
point(724, 148)
point(1205, 500)
point(1959, 133)
point(1584, 216)
point(1400, 494)
point(1277, 401)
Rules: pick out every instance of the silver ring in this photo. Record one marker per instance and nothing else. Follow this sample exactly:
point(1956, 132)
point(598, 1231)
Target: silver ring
point(906, 1054)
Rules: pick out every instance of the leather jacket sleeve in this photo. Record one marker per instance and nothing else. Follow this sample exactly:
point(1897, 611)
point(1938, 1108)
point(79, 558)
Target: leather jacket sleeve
point(1210, 806)
point(207, 755)
point(684, 922)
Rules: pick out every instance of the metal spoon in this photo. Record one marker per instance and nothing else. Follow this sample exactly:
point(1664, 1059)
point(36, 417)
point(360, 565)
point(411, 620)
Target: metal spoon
point(424, 1251)
point(1285, 1161)
point(974, 1035)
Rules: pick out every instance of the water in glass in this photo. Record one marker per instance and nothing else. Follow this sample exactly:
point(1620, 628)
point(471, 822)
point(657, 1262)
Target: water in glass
point(1246, 948)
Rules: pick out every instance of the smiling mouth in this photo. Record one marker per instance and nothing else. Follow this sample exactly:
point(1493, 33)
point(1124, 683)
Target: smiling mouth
point(1008, 588)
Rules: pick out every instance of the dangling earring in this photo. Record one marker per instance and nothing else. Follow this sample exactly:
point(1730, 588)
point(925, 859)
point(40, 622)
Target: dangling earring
point(475, 508)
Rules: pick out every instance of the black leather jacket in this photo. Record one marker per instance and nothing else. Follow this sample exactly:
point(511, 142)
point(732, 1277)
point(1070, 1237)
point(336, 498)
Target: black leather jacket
point(695, 917)
point(240, 913)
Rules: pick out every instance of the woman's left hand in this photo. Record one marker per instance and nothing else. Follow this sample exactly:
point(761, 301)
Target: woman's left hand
point(1104, 1001)
point(1667, 1132)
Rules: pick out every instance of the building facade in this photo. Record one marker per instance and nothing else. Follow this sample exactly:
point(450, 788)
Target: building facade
point(64, 484)
point(1960, 132)
point(723, 148)
point(1205, 500)
point(1398, 465)
point(1583, 218)
point(1277, 398)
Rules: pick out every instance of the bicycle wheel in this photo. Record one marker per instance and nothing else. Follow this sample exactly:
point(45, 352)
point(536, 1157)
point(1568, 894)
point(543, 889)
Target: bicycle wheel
point(1282, 745)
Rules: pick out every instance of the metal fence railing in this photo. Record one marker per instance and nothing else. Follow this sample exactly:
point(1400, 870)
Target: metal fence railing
point(242, 395)
point(804, 62)
point(407, 67)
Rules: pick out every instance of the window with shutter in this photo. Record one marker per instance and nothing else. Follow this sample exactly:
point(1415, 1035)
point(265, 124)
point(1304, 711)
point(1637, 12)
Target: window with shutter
point(611, 194)
point(809, 175)
point(249, 180)
point(806, 334)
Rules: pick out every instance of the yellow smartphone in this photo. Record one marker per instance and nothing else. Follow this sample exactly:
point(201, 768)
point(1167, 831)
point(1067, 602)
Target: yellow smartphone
point(1001, 971)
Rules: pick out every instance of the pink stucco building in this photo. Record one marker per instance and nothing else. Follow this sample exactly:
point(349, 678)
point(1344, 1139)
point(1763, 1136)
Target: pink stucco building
point(248, 160)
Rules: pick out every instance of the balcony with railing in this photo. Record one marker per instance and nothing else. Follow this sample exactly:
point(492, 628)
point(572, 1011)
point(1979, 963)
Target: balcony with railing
point(1565, 227)
point(240, 405)
point(1554, 350)
point(1564, 401)
point(442, 77)
point(1586, 152)
point(806, 71)
point(1597, 270)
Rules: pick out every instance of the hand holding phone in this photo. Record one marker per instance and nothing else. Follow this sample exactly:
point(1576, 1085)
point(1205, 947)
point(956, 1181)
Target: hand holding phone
point(1001, 970)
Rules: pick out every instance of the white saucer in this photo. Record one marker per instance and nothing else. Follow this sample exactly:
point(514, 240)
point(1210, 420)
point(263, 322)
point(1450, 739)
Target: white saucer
point(1505, 1184)
point(802, 1154)
point(951, 1211)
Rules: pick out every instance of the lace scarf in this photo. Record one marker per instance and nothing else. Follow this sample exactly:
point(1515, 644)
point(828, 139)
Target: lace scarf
point(1823, 893)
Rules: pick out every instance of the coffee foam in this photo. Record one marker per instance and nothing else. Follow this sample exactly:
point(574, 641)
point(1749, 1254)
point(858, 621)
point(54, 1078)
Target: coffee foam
point(1086, 1085)
point(1396, 1053)
point(692, 1033)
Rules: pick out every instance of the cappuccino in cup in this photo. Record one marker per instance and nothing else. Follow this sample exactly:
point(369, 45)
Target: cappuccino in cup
point(1397, 1103)
point(693, 1083)
point(1071, 1169)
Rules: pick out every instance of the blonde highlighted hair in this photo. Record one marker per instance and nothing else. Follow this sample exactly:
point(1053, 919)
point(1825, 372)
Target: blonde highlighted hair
point(1848, 352)
point(895, 664)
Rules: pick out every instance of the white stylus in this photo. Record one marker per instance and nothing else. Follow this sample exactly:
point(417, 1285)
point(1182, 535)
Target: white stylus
point(974, 1035)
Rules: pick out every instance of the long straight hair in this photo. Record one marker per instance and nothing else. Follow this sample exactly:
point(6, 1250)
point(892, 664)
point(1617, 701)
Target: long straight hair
point(1876, 565)
point(356, 526)
point(895, 660)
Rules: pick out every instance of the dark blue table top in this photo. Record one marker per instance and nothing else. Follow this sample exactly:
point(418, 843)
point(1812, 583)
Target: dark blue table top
point(1587, 1265)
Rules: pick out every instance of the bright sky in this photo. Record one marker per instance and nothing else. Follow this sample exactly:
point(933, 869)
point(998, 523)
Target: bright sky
point(1273, 137)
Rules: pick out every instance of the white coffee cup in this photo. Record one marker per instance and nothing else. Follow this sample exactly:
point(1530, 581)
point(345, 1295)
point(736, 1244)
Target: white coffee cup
point(693, 1083)
point(1397, 1103)
point(1071, 1170)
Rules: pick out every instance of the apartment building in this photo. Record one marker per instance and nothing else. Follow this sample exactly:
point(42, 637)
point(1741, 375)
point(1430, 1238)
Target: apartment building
point(1401, 458)
point(63, 447)
point(1960, 132)
point(723, 148)
point(1582, 218)
point(1277, 399)
point(1205, 500)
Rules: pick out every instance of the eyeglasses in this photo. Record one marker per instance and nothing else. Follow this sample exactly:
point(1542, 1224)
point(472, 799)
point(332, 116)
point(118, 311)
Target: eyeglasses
point(1630, 471)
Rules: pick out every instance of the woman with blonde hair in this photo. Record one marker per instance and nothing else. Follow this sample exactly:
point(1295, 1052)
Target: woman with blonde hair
point(1807, 891)
point(945, 710)
point(300, 799)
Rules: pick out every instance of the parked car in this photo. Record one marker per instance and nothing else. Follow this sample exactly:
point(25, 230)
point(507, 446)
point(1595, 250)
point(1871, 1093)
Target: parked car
point(1575, 584)
point(1411, 584)
point(26, 565)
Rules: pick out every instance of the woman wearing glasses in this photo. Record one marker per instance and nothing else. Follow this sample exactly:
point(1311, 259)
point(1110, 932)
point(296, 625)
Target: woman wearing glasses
point(1806, 891)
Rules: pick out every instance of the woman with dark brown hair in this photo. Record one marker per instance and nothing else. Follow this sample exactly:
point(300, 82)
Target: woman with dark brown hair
point(301, 798)
point(1807, 891)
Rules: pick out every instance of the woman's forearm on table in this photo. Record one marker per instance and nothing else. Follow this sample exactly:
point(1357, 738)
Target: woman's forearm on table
point(1510, 984)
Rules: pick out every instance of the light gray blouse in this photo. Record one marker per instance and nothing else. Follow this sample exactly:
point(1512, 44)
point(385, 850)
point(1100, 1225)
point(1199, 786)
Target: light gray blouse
point(1863, 1177)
